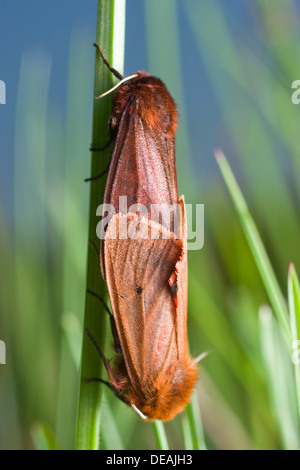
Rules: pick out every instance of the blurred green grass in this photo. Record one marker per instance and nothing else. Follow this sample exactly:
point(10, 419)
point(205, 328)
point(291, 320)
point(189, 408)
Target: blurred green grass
point(43, 260)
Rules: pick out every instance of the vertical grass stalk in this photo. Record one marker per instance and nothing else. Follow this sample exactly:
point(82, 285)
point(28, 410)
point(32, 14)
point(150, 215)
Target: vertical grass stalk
point(110, 35)
point(279, 379)
point(294, 308)
point(195, 424)
point(255, 243)
point(160, 435)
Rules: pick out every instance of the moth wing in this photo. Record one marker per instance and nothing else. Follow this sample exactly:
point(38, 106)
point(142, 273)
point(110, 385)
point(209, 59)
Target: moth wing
point(137, 276)
point(142, 166)
point(181, 287)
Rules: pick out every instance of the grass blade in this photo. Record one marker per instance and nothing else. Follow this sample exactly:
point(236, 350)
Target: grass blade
point(279, 379)
point(294, 308)
point(255, 243)
point(195, 424)
point(160, 435)
point(110, 35)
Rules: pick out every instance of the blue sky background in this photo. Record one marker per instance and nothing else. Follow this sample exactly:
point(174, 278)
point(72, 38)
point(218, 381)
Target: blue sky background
point(47, 27)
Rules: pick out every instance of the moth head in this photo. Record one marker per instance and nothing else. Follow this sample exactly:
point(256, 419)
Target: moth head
point(147, 97)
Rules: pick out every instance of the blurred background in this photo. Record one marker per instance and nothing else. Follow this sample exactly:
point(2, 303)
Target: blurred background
point(229, 66)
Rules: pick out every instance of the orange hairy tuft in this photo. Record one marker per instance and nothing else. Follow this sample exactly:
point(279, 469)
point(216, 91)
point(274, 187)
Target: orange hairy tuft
point(165, 396)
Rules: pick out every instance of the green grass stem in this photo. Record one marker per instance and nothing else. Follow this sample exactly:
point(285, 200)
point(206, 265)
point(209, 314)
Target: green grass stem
point(110, 35)
point(255, 243)
point(294, 308)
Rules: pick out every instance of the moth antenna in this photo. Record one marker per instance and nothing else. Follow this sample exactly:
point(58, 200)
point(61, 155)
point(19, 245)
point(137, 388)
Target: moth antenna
point(114, 71)
point(134, 75)
point(202, 356)
point(135, 408)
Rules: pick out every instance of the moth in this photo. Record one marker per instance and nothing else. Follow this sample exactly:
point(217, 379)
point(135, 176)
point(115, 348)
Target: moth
point(146, 275)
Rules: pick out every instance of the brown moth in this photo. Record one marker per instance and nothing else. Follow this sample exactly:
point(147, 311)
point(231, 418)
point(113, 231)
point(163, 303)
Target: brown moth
point(146, 275)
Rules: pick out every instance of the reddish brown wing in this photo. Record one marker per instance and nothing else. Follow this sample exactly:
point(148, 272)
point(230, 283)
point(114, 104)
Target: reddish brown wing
point(142, 166)
point(181, 280)
point(142, 303)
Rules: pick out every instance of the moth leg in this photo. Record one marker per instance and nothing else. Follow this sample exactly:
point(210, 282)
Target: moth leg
point(96, 379)
point(102, 301)
point(106, 363)
point(111, 387)
point(94, 246)
point(99, 149)
point(114, 71)
point(92, 178)
point(117, 345)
